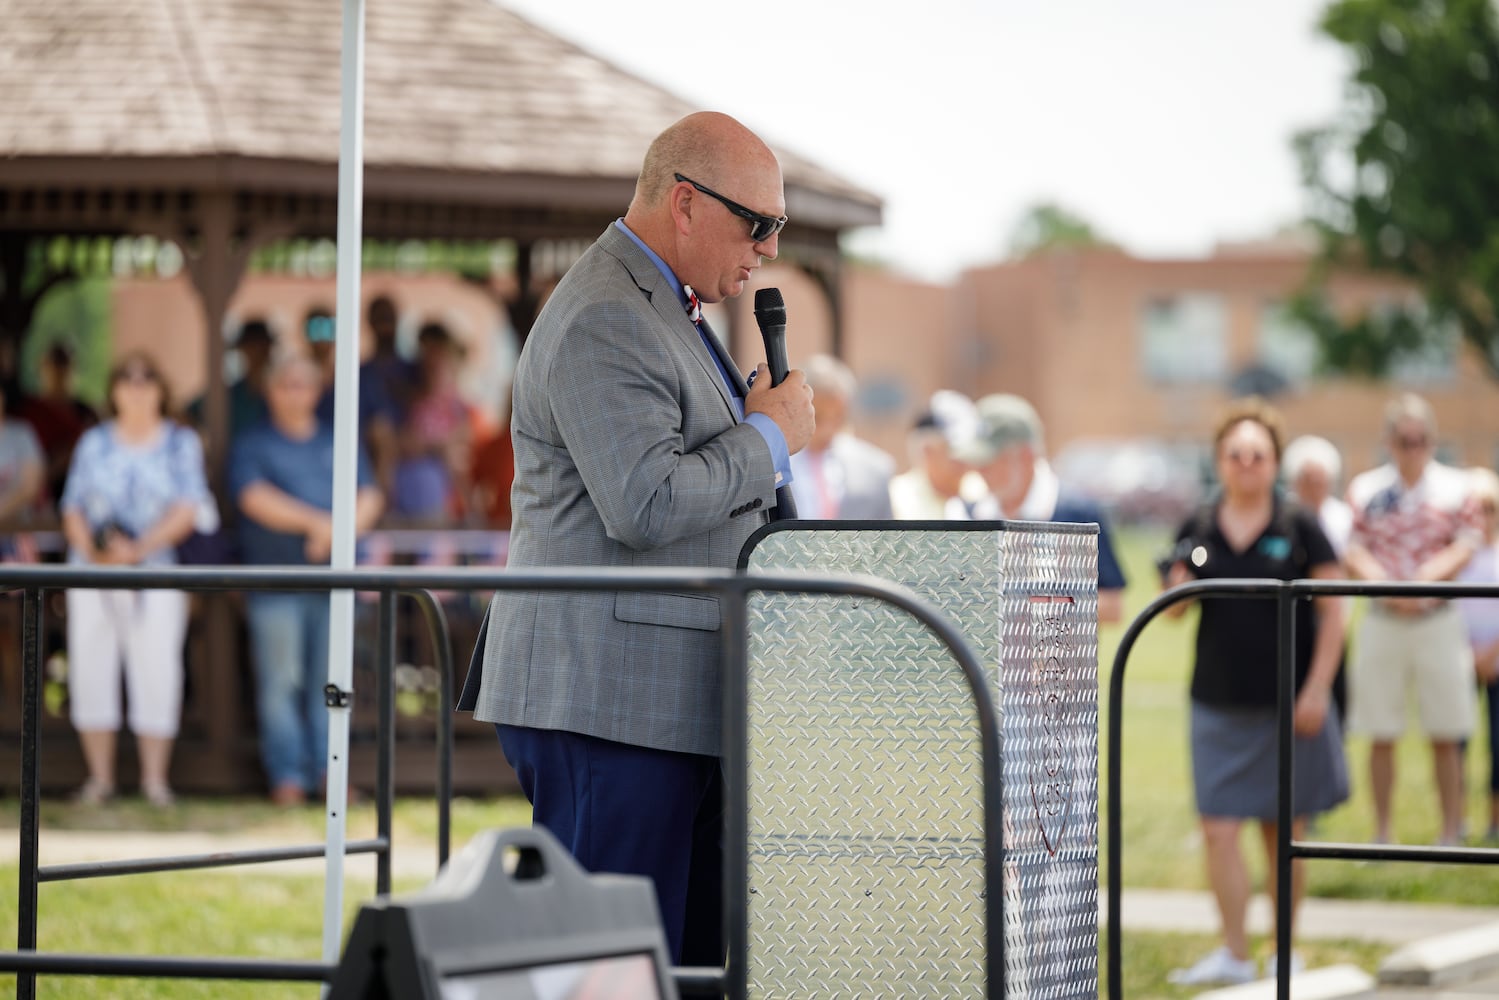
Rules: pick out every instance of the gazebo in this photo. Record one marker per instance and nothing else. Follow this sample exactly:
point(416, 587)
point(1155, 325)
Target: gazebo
point(215, 126)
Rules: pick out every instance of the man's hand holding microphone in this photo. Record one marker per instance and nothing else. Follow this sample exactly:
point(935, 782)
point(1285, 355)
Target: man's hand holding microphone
point(788, 404)
point(783, 396)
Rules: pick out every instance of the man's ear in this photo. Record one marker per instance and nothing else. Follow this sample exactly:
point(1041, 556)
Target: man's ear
point(681, 201)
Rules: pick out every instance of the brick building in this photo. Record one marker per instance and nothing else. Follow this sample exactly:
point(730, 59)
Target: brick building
point(1155, 347)
point(1113, 347)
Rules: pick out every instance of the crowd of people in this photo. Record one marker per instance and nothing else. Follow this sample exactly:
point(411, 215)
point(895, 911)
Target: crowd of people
point(131, 487)
point(1276, 512)
point(968, 461)
point(1412, 519)
point(437, 459)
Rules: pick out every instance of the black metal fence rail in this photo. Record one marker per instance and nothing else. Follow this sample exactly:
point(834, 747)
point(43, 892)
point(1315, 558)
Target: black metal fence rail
point(1285, 594)
point(33, 581)
point(733, 590)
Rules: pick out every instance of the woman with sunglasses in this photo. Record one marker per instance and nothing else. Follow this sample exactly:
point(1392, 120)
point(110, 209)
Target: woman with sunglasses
point(134, 487)
point(1251, 531)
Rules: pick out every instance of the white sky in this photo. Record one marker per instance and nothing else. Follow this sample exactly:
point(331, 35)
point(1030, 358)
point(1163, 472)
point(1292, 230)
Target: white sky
point(1166, 123)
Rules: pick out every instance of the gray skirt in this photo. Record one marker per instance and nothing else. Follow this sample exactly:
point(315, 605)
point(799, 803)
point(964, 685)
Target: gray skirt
point(1234, 764)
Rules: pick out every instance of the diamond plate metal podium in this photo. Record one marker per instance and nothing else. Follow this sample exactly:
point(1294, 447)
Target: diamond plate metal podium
point(867, 874)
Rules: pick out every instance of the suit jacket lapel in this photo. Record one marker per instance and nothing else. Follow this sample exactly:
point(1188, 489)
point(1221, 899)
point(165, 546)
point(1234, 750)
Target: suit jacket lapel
point(683, 328)
point(726, 360)
point(649, 279)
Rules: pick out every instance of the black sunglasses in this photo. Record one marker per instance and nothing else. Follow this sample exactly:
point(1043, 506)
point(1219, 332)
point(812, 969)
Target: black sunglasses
point(762, 227)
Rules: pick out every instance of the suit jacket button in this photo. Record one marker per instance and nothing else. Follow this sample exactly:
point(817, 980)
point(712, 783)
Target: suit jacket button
point(757, 502)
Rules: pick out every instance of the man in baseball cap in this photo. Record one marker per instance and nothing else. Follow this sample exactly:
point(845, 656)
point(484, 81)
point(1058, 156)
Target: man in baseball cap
point(1006, 445)
point(938, 486)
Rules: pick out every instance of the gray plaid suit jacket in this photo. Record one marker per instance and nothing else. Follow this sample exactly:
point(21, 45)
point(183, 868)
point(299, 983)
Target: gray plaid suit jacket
point(627, 453)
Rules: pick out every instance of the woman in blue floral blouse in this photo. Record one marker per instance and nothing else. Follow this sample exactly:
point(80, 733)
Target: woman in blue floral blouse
point(133, 492)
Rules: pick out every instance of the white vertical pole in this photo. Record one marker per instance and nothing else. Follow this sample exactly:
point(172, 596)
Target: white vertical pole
point(345, 458)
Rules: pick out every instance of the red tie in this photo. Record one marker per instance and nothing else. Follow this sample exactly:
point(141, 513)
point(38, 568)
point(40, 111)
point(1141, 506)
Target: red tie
point(694, 307)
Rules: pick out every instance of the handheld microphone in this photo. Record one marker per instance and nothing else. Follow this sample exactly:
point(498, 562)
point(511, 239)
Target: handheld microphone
point(770, 314)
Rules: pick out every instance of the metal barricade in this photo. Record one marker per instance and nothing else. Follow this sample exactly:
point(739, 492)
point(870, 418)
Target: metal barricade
point(1285, 593)
point(34, 581)
point(866, 854)
point(733, 590)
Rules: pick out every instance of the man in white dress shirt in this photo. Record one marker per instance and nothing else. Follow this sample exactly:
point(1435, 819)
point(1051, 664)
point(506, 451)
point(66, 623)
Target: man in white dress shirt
point(838, 475)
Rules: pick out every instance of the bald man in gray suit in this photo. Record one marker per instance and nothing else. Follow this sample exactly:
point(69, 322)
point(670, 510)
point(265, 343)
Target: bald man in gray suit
point(638, 444)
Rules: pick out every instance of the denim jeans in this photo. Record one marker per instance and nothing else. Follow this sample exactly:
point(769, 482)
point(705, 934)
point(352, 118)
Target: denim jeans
point(289, 639)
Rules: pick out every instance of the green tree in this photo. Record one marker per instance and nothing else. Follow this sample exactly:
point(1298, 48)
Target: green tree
point(1406, 180)
point(1049, 226)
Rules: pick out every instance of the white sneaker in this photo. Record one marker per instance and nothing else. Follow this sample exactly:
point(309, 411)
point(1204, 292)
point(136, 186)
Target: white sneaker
point(1218, 966)
point(1272, 970)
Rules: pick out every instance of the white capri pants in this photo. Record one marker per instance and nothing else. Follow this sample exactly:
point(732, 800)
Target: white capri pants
point(145, 629)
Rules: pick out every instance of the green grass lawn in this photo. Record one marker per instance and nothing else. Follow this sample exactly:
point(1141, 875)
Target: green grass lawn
point(181, 913)
point(239, 912)
point(212, 913)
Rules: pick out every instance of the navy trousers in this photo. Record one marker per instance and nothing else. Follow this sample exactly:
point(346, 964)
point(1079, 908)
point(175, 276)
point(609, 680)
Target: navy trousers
point(635, 811)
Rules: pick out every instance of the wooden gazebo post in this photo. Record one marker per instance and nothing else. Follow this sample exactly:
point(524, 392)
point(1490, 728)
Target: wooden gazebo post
point(216, 263)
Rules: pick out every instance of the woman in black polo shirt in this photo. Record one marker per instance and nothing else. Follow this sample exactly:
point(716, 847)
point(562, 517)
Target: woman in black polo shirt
point(1250, 531)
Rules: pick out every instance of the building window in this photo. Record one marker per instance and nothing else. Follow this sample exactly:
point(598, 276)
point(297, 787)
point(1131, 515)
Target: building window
point(883, 395)
point(1185, 338)
point(1285, 345)
point(1435, 361)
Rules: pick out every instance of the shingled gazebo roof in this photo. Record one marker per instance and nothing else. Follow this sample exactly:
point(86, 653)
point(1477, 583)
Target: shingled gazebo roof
point(466, 103)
